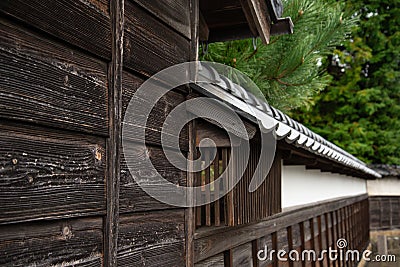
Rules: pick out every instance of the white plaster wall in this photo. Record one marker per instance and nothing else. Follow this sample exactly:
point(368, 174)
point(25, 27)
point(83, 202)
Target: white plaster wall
point(384, 187)
point(301, 186)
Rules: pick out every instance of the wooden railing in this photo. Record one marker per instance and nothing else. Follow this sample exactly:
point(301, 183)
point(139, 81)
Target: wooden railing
point(384, 212)
point(314, 227)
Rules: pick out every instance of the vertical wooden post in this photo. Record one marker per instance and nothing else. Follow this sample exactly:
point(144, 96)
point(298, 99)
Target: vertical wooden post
point(337, 233)
point(207, 183)
point(303, 240)
point(114, 140)
point(290, 243)
point(312, 238)
point(333, 234)
point(274, 239)
point(228, 258)
point(328, 262)
point(319, 222)
point(254, 251)
point(229, 197)
point(190, 218)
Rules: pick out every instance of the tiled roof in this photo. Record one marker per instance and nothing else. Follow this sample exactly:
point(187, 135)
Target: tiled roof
point(386, 170)
point(212, 84)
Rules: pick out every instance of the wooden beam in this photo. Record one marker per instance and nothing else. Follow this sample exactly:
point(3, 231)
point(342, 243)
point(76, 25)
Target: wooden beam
point(190, 217)
point(259, 11)
point(282, 26)
point(114, 140)
point(249, 17)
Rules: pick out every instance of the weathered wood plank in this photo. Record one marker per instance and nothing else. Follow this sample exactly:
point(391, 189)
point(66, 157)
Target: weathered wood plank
point(114, 142)
point(49, 174)
point(152, 239)
point(84, 23)
point(75, 242)
point(175, 13)
point(215, 241)
point(242, 255)
point(47, 83)
point(215, 261)
point(149, 45)
point(132, 197)
point(155, 121)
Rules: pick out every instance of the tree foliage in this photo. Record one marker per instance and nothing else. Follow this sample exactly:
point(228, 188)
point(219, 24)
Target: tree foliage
point(360, 110)
point(289, 69)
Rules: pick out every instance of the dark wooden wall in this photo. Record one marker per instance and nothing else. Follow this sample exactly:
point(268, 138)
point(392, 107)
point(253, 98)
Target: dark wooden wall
point(384, 212)
point(66, 77)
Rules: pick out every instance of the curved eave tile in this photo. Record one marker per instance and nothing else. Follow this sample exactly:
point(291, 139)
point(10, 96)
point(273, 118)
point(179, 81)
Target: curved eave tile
point(282, 130)
point(285, 127)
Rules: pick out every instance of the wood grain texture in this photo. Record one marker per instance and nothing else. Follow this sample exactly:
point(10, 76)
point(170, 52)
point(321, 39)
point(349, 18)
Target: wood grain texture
point(84, 23)
point(152, 239)
point(132, 197)
point(75, 242)
point(149, 45)
point(215, 261)
point(47, 83)
point(175, 13)
point(49, 174)
point(155, 121)
point(242, 255)
point(114, 150)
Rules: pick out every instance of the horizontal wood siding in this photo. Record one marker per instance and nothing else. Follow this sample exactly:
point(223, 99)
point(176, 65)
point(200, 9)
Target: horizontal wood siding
point(74, 242)
point(48, 83)
point(152, 239)
point(83, 23)
point(155, 121)
point(175, 13)
point(49, 174)
point(132, 197)
point(150, 45)
point(384, 212)
point(60, 115)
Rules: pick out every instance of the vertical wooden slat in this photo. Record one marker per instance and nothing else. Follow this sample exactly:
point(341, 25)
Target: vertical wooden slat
point(216, 189)
point(303, 240)
point(238, 193)
point(342, 233)
point(228, 258)
point(114, 140)
point(207, 191)
point(333, 234)
point(274, 238)
point(225, 183)
point(290, 243)
point(198, 208)
point(254, 251)
point(337, 233)
point(270, 192)
point(327, 244)
point(279, 180)
point(319, 239)
point(311, 221)
point(229, 196)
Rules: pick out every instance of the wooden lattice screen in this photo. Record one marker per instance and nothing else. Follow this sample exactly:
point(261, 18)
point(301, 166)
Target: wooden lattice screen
point(239, 206)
